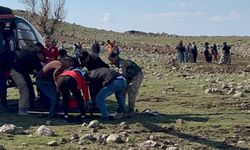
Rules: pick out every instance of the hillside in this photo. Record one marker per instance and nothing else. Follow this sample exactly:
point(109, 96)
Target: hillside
point(131, 40)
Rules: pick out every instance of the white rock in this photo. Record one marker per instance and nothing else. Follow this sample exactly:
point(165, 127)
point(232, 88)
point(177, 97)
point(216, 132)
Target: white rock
point(172, 148)
point(148, 143)
point(238, 95)
point(231, 91)
point(52, 143)
point(114, 138)
point(207, 91)
point(94, 124)
point(45, 131)
point(11, 129)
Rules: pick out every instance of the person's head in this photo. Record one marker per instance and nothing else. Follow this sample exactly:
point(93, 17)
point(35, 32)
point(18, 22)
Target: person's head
point(206, 43)
point(113, 58)
point(84, 57)
point(63, 52)
point(225, 43)
point(180, 43)
point(67, 61)
point(48, 42)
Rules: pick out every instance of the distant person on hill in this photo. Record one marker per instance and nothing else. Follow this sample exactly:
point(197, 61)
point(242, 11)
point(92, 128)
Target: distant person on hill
point(215, 52)
point(226, 56)
point(109, 46)
point(207, 54)
point(194, 52)
point(95, 49)
point(189, 53)
point(115, 48)
point(180, 52)
point(134, 76)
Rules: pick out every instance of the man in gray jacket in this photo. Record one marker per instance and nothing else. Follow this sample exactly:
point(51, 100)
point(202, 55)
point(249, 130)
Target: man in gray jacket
point(134, 75)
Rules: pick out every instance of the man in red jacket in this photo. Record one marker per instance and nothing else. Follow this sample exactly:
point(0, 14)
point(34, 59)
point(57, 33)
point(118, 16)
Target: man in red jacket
point(73, 81)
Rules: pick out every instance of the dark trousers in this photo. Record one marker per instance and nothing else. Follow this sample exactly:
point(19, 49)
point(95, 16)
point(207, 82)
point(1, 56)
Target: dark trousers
point(67, 84)
point(3, 89)
point(32, 95)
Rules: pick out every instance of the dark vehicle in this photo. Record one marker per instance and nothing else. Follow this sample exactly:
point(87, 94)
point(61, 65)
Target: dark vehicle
point(16, 35)
point(16, 32)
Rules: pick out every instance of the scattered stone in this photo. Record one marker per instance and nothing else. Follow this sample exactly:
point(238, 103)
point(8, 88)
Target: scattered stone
point(74, 136)
point(231, 91)
point(207, 91)
point(225, 86)
point(11, 129)
point(148, 143)
point(124, 125)
point(89, 137)
point(94, 124)
point(104, 137)
point(30, 135)
point(171, 88)
point(238, 95)
point(45, 131)
point(151, 137)
point(25, 144)
point(52, 143)
point(241, 142)
point(179, 121)
point(127, 140)
point(114, 138)
point(2, 147)
point(84, 124)
point(172, 148)
point(244, 106)
point(63, 141)
point(93, 130)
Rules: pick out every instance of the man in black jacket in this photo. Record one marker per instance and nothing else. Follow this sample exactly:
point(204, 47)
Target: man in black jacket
point(91, 62)
point(23, 67)
point(108, 81)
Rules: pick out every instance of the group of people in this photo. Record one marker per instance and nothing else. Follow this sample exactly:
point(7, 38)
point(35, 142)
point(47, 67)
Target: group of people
point(83, 80)
point(189, 53)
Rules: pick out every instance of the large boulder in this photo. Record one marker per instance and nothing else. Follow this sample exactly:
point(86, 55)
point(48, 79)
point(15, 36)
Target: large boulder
point(94, 124)
point(116, 138)
point(11, 129)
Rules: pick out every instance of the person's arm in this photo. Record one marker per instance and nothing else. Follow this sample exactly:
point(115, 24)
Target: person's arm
point(123, 66)
point(85, 90)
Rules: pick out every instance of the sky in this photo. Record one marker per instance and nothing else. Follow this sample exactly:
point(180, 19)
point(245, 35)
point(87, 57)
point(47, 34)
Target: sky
point(181, 17)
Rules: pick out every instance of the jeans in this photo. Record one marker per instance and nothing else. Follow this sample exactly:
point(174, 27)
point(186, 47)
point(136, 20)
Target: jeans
point(49, 89)
point(3, 89)
point(117, 86)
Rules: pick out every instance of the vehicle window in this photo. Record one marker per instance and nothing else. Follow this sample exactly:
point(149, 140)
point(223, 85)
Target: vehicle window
point(22, 25)
point(25, 35)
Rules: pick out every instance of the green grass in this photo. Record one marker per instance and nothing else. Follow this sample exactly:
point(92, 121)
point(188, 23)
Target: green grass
point(208, 118)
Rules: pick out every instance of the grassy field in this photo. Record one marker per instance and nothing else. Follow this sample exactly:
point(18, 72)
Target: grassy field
point(208, 121)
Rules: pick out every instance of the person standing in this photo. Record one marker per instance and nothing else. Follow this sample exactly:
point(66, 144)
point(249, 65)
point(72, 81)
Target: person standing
point(180, 52)
point(207, 54)
point(23, 67)
point(52, 49)
point(194, 51)
point(134, 76)
point(215, 52)
point(226, 57)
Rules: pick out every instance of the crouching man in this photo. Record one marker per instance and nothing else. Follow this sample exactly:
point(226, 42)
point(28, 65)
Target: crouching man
point(134, 75)
point(107, 82)
point(73, 81)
